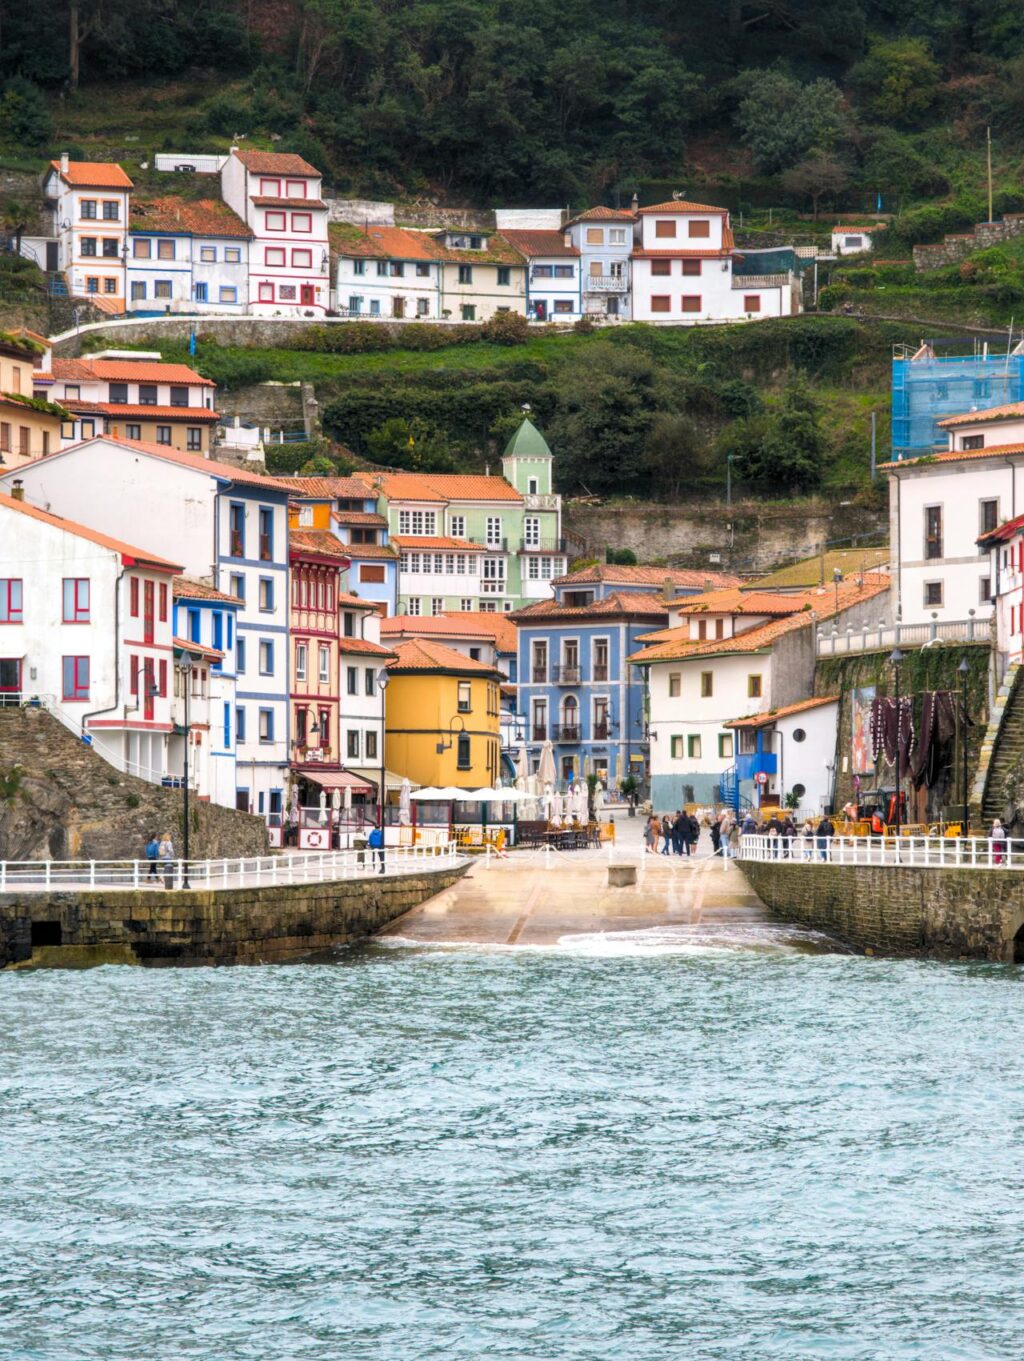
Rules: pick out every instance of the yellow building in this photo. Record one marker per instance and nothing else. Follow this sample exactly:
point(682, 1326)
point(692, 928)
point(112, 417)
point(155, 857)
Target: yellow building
point(29, 423)
point(437, 698)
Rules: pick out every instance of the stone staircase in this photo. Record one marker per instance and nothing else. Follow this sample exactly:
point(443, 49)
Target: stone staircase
point(1002, 751)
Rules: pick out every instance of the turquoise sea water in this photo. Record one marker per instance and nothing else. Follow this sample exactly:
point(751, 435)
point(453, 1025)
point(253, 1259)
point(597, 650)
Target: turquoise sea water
point(672, 1145)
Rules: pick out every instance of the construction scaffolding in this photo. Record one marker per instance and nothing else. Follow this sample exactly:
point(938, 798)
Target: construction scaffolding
point(929, 384)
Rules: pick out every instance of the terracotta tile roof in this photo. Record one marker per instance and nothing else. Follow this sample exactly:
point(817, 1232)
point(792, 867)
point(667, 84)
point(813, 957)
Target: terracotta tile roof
point(359, 517)
point(276, 163)
point(347, 598)
point(762, 720)
point(130, 555)
point(465, 624)
point(370, 550)
point(228, 472)
point(320, 541)
point(602, 214)
point(990, 413)
point(683, 206)
point(399, 486)
point(381, 243)
point(498, 251)
point(191, 414)
point(1002, 533)
point(266, 201)
point(94, 175)
point(441, 486)
point(187, 588)
point(424, 654)
point(329, 488)
point(683, 251)
point(11, 400)
point(197, 217)
point(954, 456)
point(362, 647)
point(198, 649)
point(873, 227)
point(531, 243)
point(405, 542)
point(615, 575)
point(128, 371)
point(619, 604)
point(738, 601)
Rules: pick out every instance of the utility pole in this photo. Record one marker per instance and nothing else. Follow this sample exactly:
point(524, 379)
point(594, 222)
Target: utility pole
point(988, 141)
point(874, 447)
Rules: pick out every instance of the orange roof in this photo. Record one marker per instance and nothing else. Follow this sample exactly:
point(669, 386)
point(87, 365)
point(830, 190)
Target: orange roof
point(631, 604)
point(130, 555)
point(439, 543)
point(461, 624)
point(370, 550)
point(441, 486)
point(316, 541)
point(198, 649)
point(760, 720)
point(186, 588)
point(530, 243)
point(357, 601)
point(197, 217)
point(424, 654)
point(872, 227)
point(683, 206)
point(615, 575)
point(735, 600)
point(382, 243)
point(329, 488)
point(228, 472)
point(362, 647)
point(93, 175)
point(163, 413)
point(955, 456)
point(359, 517)
point(276, 163)
point(991, 413)
point(128, 371)
point(602, 214)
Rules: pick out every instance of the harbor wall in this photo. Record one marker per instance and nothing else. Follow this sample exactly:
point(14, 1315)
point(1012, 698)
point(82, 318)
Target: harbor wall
point(941, 913)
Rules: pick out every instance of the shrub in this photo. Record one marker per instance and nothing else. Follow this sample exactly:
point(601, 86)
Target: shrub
point(832, 296)
point(506, 328)
point(861, 278)
point(285, 459)
point(585, 326)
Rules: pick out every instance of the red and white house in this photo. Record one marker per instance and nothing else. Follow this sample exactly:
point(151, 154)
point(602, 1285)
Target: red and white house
point(277, 195)
point(1005, 548)
point(683, 271)
point(86, 629)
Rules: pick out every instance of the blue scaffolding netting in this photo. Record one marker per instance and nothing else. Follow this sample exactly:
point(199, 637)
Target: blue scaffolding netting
point(928, 387)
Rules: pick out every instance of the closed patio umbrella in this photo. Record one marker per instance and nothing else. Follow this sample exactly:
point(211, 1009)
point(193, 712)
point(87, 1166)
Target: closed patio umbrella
point(546, 772)
point(522, 766)
point(404, 795)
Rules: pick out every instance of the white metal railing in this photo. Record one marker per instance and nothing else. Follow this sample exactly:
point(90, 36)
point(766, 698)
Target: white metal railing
point(877, 637)
point(760, 280)
point(260, 871)
point(920, 852)
point(605, 283)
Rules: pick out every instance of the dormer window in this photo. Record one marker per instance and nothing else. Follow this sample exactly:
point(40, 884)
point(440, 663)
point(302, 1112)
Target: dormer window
point(578, 599)
point(462, 241)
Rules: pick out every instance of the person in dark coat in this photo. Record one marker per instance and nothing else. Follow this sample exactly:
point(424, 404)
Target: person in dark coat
point(694, 834)
point(826, 831)
point(716, 837)
point(679, 833)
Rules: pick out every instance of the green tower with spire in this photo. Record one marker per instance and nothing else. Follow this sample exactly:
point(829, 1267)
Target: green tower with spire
point(527, 460)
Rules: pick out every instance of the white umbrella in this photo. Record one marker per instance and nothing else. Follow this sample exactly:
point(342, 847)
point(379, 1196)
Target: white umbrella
point(566, 806)
point(522, 764)
point(548, 799)
point(598, 799)
point(336, 801)
point(546, 772)
point(293, 811)
point(404, 795)
point(347, 802)
point(580, 808)
point(323, 805)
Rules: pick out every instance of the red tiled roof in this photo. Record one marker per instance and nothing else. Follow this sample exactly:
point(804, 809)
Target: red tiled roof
point(198, 649)
point(362, 647)
point(424, 654)
point(735, 600)
point(760, 720)
point(370, 550)
point(94, 175)
point(954, 456)
point(683, 252)
point(128, 371)
point(163, 413)
point(627, 604)
point(198, 217)
point(648, 576)
point(531, 243)
point(463, 624)
point(316, 541)
point(382, 243)
point(873, 227)
point(346, 598)
point(683, 206)
point(991, 413)
point(359, 517)
point(440, 486)
point(276, 163)
point(602, 214)
point(1004, 532)
point(329, 488)
point(186, 588)
point(229, 472)
point(438, 543)
point(265, 201)
point(127, 551)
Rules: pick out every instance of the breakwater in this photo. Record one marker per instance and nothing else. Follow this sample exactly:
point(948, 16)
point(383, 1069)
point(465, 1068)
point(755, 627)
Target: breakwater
point(945, 913)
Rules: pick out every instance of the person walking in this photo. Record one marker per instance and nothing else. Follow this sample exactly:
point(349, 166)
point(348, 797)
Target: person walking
point(678, 833)
point(375, 841)
point(694, 834)
point(998, 840)
point(666, 835)
point(651, 835)
point(734, 839)
point(788, 837)
point(165, 854)
point(716, 837)
point(826, 831)
point(152, 854)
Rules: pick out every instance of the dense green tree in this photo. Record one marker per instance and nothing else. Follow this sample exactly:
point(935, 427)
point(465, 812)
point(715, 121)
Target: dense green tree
point(785, 451)
point(820, 176)
point(898, 78)
point(25, 115)
point(781, 120)
point(412, 444)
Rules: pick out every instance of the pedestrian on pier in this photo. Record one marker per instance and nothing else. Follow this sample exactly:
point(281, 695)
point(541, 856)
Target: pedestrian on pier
point(826, 831)
point(165, 854)
point(666, 835)
point(998, 839)
point(375, 841)
point(152, 854)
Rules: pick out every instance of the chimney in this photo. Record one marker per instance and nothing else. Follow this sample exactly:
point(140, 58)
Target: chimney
point(487, 470)
point(669, 589)
point(64, 162)
point(18, 490)
point(635, 202)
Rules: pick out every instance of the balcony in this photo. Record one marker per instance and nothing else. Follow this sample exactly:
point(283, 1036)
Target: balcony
point(237, 544)
point(751, 764)
point(496, 545)
point(749, 281)
point(539, 675)
point(600, 671)
point(601, 732)
point(540, 732)
point(534, 501)
point(542, 546)
point(565, 675)
point(605, 283)
point(565, 733)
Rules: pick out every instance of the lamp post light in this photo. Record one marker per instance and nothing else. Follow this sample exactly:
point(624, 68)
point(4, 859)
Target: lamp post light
point(185, 670)
point(837, 577)
point(895, 661)
point(382, 685)
point(963, 670)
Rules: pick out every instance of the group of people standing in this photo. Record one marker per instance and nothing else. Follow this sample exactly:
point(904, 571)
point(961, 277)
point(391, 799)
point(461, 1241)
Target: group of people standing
point(680, 834)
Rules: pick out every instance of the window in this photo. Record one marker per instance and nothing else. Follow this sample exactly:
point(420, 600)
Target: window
point(11, 600)
point(933, 592)
point(111, 210)
point(753, 687)
point(208, 254)
point(464, 702)
point(707, 684)
point(465, 274)
point(700, 227)
point(932, 533)
point(436, 605)
point(504, 276)
point(228, 295)
point(302, 259)
point(232, 255)
point(202, 292)
point(972, 442)
point(661, 269)
point(984, 590)
point(266, 533)
point(691, 267)
point(690, 302)
point(989, 516)
point(375, 307)
point(88, 245)
point(266, 725)
point(165, 250)
point(162, 608)
point(352, 680)
point(179, 395)
point(468, 312)
point(422, 307)
point(138, 292)
point(117, 392)
point(324, 669)
point(370, 681)
point(414, 604)
point(239, 724)
point(371, 746)
point(661, 302)
point(76, 600)
point(665, 227)
point(162, 289)
point(494, 531)
point(693, 746)
point(267, 595)
point(563, 304)
point(302, 222)
point(617, 236)
point(89, 209)
point(725, 746)
point(301, 661)
point(194, 438)
point(275, 222)
point(163, 434)
point(676, 746)
point(76, 678)
point(751, 302)
point(353, 744)
point(110, 285)
point(240, 655)
point(266, 657)
point(142, 248)
point(675, 685)
point(420, 523)
point(464, 761)
point(92, 284)
point(274, 255)
point(110, 248)
point(465, 604)
point(359, 267)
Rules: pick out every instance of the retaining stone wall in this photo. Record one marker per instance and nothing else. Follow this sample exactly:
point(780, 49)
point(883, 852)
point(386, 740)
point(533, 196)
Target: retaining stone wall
point(157, 926)
point(956, 247)
point(947, 914)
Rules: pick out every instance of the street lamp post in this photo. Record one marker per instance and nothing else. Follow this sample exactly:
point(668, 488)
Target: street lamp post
point(895, 660)
point(963, 670)
point(837, 577)
point(382, 685)
point(185, 672)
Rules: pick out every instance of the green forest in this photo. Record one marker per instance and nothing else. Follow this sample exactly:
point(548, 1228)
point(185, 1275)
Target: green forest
point(502, 101)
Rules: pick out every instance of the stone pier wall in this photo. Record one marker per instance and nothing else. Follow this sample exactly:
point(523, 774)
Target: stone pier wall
point(946, 914)
point(157, 926)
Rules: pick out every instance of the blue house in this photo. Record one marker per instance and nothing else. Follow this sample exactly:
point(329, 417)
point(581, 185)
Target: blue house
point(348, 508)
point(206, 630)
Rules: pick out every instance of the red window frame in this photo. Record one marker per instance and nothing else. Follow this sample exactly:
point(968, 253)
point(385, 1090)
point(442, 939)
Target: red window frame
point(163, 602)
point(266, 293)
point(133, 674)
point(661, 302)
point(751, 302)
point(133, 590)
point(79, 610)
point(269, 225)
point(163, 678)
point(306, 262)
point(270, 188)
point(275, 255)
point(690, 302)
point(80, 688)
point(289, 185)
point(14, 614)
point(297, 218)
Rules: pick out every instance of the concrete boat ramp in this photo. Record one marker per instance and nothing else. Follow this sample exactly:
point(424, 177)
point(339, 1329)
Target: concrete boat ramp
point(538, 898)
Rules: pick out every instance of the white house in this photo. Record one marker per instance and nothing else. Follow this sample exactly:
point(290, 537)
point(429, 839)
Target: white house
point(682, 271)
point(801, 739)
point(228, 526)
point(1004, 547)
point(939, 506)
point(362, 656)
point(85, 627)
point(205, 631)
point(604, 239)
point(854, 240)
point(553, 284)
point(88, 202)
point(187, 256)
point(386, 272)
point(277, 195)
